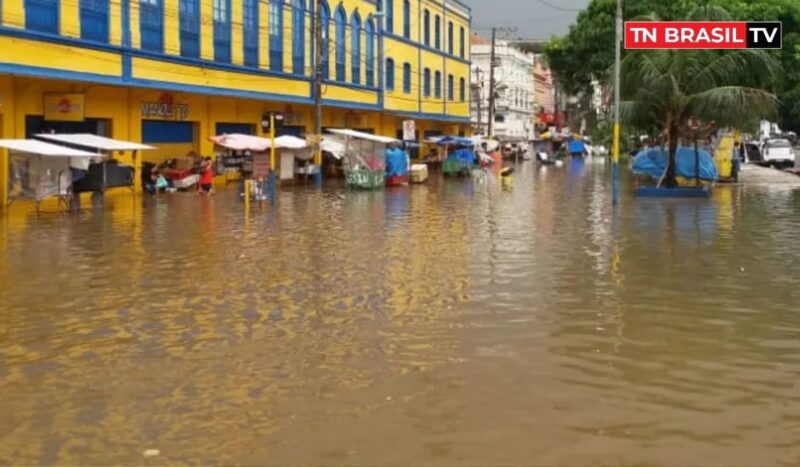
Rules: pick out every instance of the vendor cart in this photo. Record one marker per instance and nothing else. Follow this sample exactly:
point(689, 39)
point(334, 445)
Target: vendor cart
point(364, 158)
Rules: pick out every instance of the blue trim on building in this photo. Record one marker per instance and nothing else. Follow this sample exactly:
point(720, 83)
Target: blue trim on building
point(346, 84)
point(430, 116)
point(428, 49)
point(350, 105)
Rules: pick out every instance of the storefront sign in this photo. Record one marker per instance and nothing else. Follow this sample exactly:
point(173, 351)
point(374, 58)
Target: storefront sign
point(63, 107)
point(409, 130)
point(165, 108)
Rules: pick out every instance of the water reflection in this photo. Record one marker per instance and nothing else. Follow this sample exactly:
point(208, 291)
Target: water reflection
point(438, 324)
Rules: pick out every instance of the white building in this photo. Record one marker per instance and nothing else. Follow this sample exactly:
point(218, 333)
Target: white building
point(514, 101)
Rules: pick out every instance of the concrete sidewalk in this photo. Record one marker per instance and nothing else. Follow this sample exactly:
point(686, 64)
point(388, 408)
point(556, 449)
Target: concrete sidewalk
point(756, 175)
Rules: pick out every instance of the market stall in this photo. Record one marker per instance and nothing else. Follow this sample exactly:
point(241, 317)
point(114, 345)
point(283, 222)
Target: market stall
point(364, 158)
point(106, 171)
point(40, 170)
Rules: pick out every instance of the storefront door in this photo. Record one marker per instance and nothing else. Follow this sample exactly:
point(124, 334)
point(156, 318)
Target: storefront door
point(171, 139)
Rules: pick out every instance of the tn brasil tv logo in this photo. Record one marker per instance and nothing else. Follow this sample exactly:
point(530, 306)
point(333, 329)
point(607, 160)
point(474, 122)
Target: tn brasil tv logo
point(703, 35)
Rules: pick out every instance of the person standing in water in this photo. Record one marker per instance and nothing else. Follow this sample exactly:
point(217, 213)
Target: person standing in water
point(207, 177)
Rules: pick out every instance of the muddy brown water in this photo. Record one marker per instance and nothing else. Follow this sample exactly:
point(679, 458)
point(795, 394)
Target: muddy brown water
point(443, 324)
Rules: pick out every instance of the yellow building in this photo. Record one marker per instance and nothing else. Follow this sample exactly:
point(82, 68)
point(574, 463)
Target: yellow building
point(172, 73)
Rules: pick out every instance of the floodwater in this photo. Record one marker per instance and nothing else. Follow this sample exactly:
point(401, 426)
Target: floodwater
point(444, 324)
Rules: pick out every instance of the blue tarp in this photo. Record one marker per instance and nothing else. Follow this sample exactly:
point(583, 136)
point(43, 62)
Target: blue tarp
point(465, 157)
point(576, 146)
point(396, 162)
point(455, 141)
point(653, 162)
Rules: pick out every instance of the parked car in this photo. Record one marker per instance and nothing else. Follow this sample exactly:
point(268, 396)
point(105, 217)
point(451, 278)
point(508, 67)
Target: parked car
point(778, 152)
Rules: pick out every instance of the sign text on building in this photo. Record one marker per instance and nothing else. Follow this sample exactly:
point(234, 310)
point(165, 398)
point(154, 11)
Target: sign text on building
point(64, 107)
point(165, 108)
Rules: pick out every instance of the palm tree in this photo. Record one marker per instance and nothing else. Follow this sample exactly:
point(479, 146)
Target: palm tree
point(666, 89)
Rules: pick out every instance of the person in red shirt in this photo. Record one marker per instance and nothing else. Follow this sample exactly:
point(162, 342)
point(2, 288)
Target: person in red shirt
point(207, 177)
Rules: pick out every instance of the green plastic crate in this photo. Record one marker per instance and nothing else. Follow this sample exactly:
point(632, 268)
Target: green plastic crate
point(365, 179)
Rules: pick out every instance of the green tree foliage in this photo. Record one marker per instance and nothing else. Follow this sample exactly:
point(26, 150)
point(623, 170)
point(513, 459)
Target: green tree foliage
point(667, 89)
point(587, 51)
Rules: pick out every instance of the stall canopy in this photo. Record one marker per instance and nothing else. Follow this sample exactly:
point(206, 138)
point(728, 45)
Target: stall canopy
point(40, 148)
point(364, 136)
point(100, 143)
point(39, 169)
point(240, 142)
point(455, 141)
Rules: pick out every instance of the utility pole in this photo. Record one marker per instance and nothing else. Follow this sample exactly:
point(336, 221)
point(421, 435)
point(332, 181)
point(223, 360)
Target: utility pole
point(477, 96)
point(490, 131)
point(617, 75)
point(318, 66)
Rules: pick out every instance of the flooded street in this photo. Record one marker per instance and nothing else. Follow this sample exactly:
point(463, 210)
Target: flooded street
point(436, 325)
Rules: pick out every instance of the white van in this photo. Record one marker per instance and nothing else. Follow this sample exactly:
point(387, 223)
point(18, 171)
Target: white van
point(778, 152)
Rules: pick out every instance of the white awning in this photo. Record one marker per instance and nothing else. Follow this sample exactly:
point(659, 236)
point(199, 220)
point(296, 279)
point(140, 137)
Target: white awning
point(40, 148)
point(364, 136)
point(100, 143)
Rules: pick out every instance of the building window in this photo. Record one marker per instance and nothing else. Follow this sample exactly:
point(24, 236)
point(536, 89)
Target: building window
point(276, 35)
point(326, 40)
point(426, 27)
point(369, 30)
point(355, 48)
point(94, 20)
point(450, 38)
point(437, 85)
point(390, 74)
point(390, 15)
point(451, 85)
point(189, 11)
point(437, 26)
point(42, 15)
point(341, 26)
point(222, 31)
point(407, 19)
point(426, 82)
point(298, 37)
point(151, 25)
point(250, 33)
point(462, 90)
point(461, 40)
point(407, 78)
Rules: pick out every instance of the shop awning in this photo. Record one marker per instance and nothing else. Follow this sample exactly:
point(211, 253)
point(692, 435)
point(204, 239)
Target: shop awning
point(40, 148)
point(362, 135)
point(100, 143)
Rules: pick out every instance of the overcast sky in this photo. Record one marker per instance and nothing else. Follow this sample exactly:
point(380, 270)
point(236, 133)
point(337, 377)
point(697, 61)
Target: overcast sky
point(534, 19)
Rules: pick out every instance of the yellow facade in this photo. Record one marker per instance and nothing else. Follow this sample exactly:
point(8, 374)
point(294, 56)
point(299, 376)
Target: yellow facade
point(121, 73)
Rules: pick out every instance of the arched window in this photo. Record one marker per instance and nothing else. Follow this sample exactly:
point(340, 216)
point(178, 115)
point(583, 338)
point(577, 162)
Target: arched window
point(426, 85)
point(407, 19)
point(462, 90)
point(461, 40)
point(426, 27)
point(326, 40)
point(437, 26)
point(451, 91)
point(389, 74)
point(276, 35)
point(355, 48)
point(369, 30)
point(390, 15)
point(298, 37)
point(94, 20)
point(437, 85)
point(450, 38)
point(341, 46)
point(407, 78)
